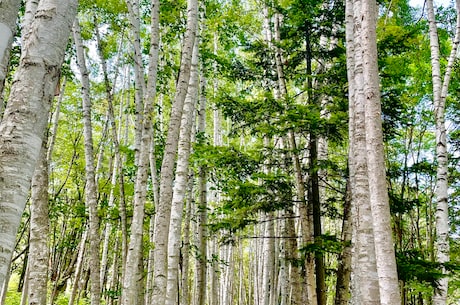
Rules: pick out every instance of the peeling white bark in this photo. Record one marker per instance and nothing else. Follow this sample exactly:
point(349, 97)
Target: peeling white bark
point(26, 116)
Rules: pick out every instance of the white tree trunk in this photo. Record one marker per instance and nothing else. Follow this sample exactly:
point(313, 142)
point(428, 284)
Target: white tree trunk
point(118, 167)
point(440, 91)
point(78, 268)
point(185, 275)
point(290, 246)
point(29, 13)
point(133, 280)
point(134, 19)
point(227, 275)
point(181, 181)
point(366, 288)
point(26, 116)
point(91, 189)
point(39, 219)
point(8, 15)
point(39, 229)
point(342, 286)
point(268, 254)
point(306, 223)
point(163, 210)
point(201, 236)
point(385, 253)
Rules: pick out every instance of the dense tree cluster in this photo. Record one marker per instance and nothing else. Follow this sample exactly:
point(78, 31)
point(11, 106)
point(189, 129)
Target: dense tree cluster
point(229, 152)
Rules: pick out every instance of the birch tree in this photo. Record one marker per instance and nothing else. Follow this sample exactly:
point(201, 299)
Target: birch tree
point(440, 91)
point(133, 283)
point(91, 190)
point(26, 116)
point(8, 14)
point(181, 181)
point(39, 229)
point(365, 288)
point(201, 233)
point(385, 253)
point(369, 185)
point(37, 274)
point(163, 210)
point(291, 244)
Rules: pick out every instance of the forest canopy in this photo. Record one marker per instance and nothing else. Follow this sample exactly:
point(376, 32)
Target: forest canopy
point(229, 152)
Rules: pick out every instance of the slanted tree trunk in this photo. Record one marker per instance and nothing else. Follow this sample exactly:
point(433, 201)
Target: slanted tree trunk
point(39, 229)
point(91, 189)
point(29, 13)
point(35, 291)
point(163, 210)
point(78, 270)
point(26, 115)
point(8, 14)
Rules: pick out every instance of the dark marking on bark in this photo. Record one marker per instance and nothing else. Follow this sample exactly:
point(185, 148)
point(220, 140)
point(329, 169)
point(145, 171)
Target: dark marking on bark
point(46, 14)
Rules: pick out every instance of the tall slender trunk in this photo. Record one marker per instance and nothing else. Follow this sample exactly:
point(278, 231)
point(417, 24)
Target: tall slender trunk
point(268, 255)
point(314, 199)
point(91, 189)
point(37, 274)
point(118, 163)
point(135, 29)
point(150, 262)
point(290, 250)
point(228, 275)
point(78, 270)
point(313, 181)
point(385, 252)
point(306, 223)
point(186, 245)
point(39, 218)
point(181, 181)
point(366, 283)
point(156, 195)
point(440, 91)
point(39, 229)
point(26, 116)
point(342, 287)
point(163, 210)
point(133, 282)
point(201, 236)
point(151, 85)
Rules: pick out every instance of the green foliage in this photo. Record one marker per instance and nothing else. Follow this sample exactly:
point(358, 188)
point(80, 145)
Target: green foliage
point(265, 115)
point(260, 193)
point(247, 189)
point(398, 205)
point(326, 243)
point(63, 299)
point(112, 7)
point(412, 267)
point(13, 296)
